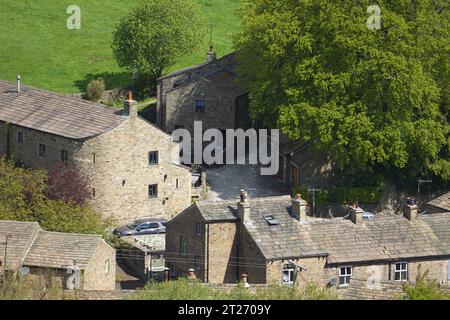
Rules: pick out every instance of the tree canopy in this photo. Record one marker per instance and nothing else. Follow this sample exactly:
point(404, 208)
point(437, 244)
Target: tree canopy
point(23, 198)
point(370, 98)
point(156, 32)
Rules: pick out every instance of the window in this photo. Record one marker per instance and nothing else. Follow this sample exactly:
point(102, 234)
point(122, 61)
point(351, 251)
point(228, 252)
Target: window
point(93, 193)
point(42, 150)
point(199, 230)
point(401, 271)
point(64, 156)
point(94, 158)
point(20, 137)
point(183, 246)
point(153, 158)
point(153, 191)
point(345, 275)
point(288, 274)
point(177, 185)
point(200, 106)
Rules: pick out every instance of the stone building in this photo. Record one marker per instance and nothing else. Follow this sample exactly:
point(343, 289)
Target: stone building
point(440, 204)
point(26, 244)
point(131, 165)
point(273, 240)
point(207, 93)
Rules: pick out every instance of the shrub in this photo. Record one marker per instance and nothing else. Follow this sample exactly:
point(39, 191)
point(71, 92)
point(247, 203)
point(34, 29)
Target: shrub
point(95, 90)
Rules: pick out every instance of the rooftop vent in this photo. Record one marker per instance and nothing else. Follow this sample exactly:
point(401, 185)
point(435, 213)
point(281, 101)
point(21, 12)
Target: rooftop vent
point(271, 220)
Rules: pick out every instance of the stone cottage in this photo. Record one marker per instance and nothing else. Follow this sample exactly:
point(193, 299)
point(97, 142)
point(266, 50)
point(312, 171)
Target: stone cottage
point(273, 240)
point(26, 244)
point(131, 165)
point(207, 93)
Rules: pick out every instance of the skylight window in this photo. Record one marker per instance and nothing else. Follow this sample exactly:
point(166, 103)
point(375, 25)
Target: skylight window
point(271, 220)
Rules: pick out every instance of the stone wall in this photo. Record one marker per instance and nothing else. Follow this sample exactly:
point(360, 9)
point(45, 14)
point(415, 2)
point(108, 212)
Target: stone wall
point(100, 274)
point(222, 253)
point(185, 225)
point(116, 166)
point(180, 107)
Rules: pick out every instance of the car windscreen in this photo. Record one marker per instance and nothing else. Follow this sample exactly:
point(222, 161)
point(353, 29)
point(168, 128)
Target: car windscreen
point(133, 226)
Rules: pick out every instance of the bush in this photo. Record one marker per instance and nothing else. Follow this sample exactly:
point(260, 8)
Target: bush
point(95, 90)
point(425, 289)
point(184, 289)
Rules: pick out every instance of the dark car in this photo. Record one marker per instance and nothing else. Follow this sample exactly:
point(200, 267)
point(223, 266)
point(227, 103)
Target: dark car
point(142, 227)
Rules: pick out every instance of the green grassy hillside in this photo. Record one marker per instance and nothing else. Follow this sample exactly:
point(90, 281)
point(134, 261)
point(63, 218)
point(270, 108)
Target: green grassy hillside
point(35, 42)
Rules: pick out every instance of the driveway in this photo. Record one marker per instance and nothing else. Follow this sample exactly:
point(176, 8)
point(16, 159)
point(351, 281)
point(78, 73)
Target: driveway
point(225, 183)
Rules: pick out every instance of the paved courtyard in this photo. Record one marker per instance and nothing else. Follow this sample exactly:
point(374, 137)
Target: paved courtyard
point(225, 183)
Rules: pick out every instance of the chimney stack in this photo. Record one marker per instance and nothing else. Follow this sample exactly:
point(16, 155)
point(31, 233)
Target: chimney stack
point(130, 108)
point(299, 208)
point(244, 207)
point(211, 56)
point(356, 214)
point(410, 209)
point(18, 83)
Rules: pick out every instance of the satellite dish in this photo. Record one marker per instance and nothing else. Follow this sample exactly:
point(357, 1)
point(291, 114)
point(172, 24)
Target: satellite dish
point(24, 271)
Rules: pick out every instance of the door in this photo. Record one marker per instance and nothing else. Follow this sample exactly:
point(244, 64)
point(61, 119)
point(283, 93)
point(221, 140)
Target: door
point(295, 176)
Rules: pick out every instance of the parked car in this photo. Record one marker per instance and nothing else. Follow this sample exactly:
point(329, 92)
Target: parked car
point(142, 227)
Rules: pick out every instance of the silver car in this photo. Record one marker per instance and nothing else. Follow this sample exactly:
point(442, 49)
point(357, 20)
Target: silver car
point(142, 227)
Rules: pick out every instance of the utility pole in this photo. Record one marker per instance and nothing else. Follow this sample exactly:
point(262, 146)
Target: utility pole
point(314, 190)
point(419, 182)
point(211, 25)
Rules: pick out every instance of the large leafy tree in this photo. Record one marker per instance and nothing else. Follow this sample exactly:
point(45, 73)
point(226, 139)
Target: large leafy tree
point(371, 98)
point(155, 33)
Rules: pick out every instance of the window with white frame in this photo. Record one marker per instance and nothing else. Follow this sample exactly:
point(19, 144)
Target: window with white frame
point(345, 275)
point(401, 271)
point(288, 274)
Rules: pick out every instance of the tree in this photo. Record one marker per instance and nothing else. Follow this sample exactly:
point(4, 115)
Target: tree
point(155, 33)
point(371, 98)
point(425, 289)
point(23, 198)
point(66, 183)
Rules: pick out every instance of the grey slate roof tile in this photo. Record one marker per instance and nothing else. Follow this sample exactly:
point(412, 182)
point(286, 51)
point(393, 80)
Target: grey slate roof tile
point(56, 114)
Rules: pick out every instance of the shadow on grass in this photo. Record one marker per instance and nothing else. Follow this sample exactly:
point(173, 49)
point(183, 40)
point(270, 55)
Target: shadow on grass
point(112, 80)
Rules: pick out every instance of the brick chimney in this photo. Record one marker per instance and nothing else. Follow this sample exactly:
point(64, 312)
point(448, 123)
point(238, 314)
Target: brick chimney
point(211, 56)
point(356, 214)
point(299, 208)
point(410, 209)
point(244, 207)
point(130, 108)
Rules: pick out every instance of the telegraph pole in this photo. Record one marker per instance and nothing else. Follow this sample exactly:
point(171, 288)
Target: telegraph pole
point(419, 182)
point(314, 190)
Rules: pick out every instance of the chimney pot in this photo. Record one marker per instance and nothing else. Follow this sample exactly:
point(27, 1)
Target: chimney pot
point(130, 109)
point(18, 77)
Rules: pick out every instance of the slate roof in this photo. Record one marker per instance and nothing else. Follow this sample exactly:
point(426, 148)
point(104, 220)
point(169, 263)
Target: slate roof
point(20, 237)
point(55, 114)
point(218, 211)
point(443, 202)
point(387, 237)
point(29, 245)
point(362, 290)
point(56, 250)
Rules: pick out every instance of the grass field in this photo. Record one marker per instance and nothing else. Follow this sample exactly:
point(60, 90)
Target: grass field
point(35, 42)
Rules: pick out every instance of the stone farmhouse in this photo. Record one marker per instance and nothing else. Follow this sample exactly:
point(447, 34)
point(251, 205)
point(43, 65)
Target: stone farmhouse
point(273, 240)
point(26, 244)
point(207, 93)
point(127, 161)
